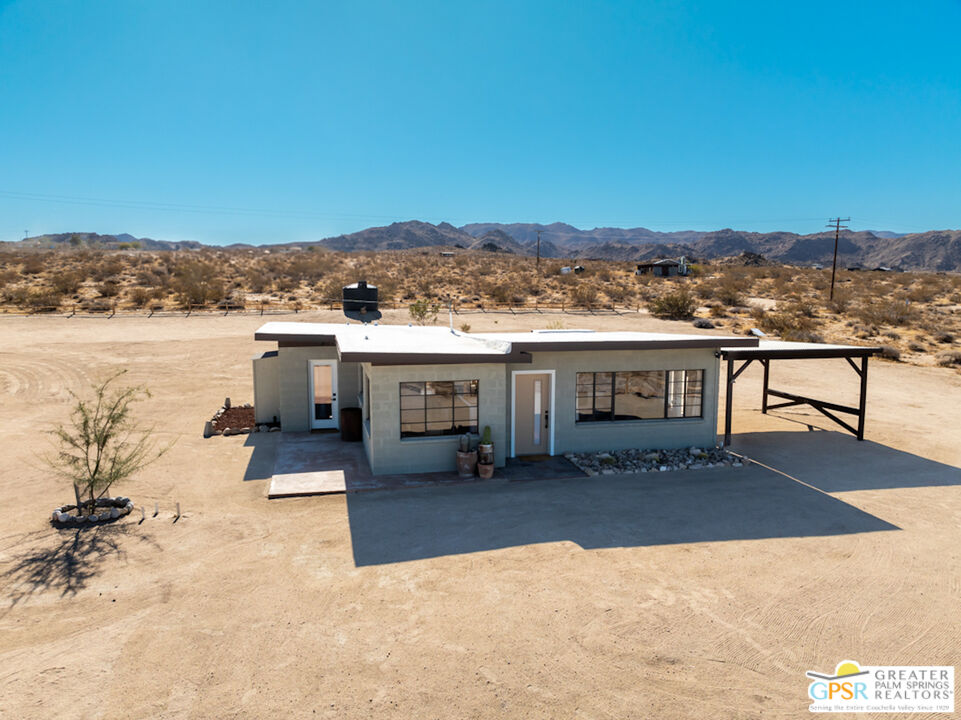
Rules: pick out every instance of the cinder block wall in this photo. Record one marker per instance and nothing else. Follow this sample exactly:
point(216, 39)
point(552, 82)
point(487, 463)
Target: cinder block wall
point(388, 453)
point(294, 384)
point(266, 388)
point(570, 436)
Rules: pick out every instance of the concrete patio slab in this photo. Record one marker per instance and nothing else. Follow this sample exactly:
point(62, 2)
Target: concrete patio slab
point(321, 464)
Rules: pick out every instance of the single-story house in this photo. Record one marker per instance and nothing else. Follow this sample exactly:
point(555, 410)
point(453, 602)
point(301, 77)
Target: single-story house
point(544, 392)
point(663, 268)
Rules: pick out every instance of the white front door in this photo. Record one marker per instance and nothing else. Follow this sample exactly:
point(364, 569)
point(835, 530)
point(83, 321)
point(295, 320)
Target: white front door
point(323, 394)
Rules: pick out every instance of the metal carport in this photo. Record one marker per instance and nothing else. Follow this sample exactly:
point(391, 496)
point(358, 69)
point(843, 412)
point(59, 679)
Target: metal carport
point(768, 350)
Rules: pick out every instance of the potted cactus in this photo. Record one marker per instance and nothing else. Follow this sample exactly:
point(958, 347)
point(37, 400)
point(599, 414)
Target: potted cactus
point(466, 458)
point(485, 455)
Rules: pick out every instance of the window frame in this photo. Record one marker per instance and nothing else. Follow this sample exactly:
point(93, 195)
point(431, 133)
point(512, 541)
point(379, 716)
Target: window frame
point(454, 430)
point(688, 377)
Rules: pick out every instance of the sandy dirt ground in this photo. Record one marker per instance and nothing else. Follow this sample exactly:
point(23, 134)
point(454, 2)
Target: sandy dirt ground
point(702, 594)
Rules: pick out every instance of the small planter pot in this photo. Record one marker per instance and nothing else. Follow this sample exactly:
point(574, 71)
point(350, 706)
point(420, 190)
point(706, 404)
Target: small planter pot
point(485, 453)
point(485, 470)
point(466, 463)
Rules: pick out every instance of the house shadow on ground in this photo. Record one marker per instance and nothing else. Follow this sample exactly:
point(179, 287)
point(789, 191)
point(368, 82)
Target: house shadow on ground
point(837, 462)
point(751, 503)
point(600, 512)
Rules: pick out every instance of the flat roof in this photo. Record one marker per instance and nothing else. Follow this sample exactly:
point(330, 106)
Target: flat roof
point(419, 345)
point(567, 340)
point(773, 349)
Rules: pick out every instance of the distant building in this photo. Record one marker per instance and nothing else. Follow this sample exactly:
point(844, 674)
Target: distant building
point(663, 268)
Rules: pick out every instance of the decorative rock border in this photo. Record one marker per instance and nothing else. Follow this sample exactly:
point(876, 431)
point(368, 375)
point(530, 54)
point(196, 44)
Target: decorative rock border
point(618, 462)
point(113, 508)
point(209, 430)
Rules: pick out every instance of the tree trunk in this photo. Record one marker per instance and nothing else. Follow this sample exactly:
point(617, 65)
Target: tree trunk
point(76, 492)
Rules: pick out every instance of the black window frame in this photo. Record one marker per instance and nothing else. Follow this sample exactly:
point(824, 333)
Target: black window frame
point(692, 376)
point(454, 428)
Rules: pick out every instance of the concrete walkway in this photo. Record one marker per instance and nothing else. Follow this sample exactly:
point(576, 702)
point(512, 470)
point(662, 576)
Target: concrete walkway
point(322, 464)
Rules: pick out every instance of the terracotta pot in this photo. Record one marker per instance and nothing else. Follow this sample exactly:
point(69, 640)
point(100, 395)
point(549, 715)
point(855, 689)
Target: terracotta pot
point(485, 470)
point(466, 462)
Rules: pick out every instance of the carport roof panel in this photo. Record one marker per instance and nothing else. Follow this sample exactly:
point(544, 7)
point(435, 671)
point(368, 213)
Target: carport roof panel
point(782, 349)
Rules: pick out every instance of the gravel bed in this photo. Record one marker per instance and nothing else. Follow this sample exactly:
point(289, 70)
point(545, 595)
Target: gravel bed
point(618, 462)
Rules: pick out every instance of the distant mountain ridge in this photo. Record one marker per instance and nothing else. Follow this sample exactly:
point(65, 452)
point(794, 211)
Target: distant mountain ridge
point(935, 250)
point(122, 241)
point(932, 250)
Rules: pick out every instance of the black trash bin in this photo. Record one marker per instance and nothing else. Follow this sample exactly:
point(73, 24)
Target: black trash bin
point(350, 425)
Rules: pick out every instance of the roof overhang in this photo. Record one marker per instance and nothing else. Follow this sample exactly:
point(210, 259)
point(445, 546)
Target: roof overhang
point(776, 349)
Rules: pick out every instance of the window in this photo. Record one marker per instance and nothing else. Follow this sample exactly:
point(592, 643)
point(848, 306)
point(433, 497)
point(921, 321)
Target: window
point(438, 408)
point(638, 395)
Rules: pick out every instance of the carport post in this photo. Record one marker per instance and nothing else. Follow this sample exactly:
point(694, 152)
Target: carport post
point(729, 403)
point(766, 364)
point(862, 405)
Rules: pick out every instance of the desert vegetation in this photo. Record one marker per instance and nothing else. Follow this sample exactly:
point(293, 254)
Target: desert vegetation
point(915, 315)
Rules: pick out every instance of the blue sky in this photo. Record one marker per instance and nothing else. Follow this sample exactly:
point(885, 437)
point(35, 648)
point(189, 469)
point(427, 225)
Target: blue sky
point(275, 122)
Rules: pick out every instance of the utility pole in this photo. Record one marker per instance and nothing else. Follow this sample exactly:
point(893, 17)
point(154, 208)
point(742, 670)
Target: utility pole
point(539, 248)
point(836, 224)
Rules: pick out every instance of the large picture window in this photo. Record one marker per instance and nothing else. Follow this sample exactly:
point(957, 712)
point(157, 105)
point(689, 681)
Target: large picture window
point(638, 395)
point(438, 408)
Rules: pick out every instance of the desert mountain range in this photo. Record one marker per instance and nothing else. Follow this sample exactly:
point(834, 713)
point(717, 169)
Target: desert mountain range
point(935, 250)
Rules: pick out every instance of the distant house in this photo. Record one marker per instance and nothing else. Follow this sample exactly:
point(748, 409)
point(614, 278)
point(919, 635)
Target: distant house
point(542, 393)
point(663, 268)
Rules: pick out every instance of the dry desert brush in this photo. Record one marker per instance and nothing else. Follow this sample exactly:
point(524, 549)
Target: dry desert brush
point(101, 444)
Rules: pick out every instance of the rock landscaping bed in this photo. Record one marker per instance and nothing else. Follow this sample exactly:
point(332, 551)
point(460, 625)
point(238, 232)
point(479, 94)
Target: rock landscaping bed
point(618, 462)
point(236, 420)
point(106, 509)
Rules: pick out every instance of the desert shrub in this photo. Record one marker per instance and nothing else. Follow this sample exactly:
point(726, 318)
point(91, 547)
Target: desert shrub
point(139, 297)
point(197, 283)
point(33, 264)
point(942, 337)
point(717, 310)
point(108, 289)
point(887, 312)
point(675, 305)
point(948, 358)
point(618, 293)
point(584, 295)
point(803, 307)
point(731, 289)
point(889, 352)
point(924, 290)
point(840, 302)
point(67, 283)
point(96, 305)
point(7, 276)
point(34, 299)
point(788, 325)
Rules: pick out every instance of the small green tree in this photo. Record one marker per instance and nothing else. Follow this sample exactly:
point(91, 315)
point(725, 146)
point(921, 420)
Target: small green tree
point(101, 445)
point(423, 312)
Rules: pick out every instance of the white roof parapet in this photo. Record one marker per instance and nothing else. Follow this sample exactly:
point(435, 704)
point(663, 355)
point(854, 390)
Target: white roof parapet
point(405, 344)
